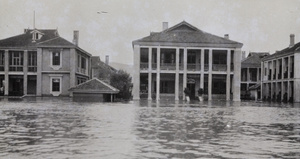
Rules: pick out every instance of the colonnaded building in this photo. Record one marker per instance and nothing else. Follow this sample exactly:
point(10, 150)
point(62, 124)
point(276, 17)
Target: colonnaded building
point(280, 77)
point(41, 63)
point(182, 56)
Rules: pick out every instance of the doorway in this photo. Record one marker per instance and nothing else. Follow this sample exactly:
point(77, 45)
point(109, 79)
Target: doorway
point(191, 86)
point(15, 85)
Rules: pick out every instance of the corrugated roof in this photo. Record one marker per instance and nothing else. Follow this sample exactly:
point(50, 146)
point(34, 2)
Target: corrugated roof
point(94, 86)
point(284, 52)
point(185, 33)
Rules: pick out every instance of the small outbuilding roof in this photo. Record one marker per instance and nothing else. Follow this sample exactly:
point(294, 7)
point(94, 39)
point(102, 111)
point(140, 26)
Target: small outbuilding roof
point(94, 86)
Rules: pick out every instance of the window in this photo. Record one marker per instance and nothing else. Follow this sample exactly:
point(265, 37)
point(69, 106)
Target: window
point(56, 58)
point(55, 85)
point(83, 63)
point(32, 61)
point(15, 61)
point(1, 60)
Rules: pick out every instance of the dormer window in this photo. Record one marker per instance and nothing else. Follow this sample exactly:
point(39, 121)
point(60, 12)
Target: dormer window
point(36, 35)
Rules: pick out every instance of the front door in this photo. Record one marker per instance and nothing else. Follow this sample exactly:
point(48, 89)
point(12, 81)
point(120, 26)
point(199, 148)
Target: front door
point(191, 87)
point(15, 86)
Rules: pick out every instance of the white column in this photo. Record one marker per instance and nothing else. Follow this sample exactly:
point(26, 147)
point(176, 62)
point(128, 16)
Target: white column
point(202, 70)
point(136, 74)
point(262, 79)
point(237, 75)
point(248, 75)
point(25, 70)
point(228, 75)
point(6, 69)
point(210, 56)
point(177, 75)
point(158, 74)
point(73, 65)
point(39, 72)
point(184, 70)
point(288, 65)
point(150, 74)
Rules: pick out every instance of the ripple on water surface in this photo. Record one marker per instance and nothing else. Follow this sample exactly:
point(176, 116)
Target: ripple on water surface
point(50, 127)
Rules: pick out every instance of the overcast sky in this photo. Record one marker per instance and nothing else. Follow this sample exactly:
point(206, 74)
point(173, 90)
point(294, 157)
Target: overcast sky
point(261, 25)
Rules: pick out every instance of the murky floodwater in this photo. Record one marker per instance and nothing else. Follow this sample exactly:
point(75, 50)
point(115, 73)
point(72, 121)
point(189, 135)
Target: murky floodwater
point(60, 128)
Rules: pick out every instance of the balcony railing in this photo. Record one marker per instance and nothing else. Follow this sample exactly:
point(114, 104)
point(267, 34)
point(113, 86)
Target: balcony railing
point(32, 68)
point(15, 68)
point(193, 67)
point(219, 67)
point(144, 66)
point(168, 66)
point(81, 70)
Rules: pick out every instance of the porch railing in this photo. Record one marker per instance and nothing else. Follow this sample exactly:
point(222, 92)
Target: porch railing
point(32, 68)
point(15, 68)
point(219, 67)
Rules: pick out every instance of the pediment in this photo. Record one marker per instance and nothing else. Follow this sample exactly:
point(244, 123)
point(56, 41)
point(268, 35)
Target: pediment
point(183, 28)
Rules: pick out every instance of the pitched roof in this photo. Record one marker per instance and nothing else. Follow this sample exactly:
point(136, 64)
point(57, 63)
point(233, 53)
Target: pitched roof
point(97, 63)
point(57, 41)
point(186, 33)
point(253, 60)
point(25, 39)
point(94, 86)
point(285, 51)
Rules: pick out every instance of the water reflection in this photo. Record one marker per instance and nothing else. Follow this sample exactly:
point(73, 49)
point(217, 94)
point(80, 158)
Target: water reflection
point(60, 128)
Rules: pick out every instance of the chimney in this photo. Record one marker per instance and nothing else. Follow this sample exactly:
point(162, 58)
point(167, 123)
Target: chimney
point(243, 55)
point(165, 26)
point(292, 40)
point(226, 36)
point(107, 59)
point(75, 37)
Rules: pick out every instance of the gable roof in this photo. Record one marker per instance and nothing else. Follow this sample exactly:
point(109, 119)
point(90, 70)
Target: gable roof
point(283, 52)
point(253, 60)
point(186, 33)
point(94, 86)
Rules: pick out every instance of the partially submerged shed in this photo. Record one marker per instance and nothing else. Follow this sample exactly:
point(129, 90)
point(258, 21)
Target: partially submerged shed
point(94, 90)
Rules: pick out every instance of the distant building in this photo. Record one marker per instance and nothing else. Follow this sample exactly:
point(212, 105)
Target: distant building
point(251, 75)
point(101, 70)
point(41, 63)
point(183, 56)
point(280, 79)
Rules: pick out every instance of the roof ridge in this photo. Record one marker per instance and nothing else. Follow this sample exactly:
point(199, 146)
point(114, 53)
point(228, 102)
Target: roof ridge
point(48, 40)
point(111, 87)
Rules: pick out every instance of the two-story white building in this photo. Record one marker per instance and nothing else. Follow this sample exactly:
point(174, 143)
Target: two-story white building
point(182, 56)
point(280, 77)
point(41, 63)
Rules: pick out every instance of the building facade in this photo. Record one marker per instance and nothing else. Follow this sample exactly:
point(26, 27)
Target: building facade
point(41, 63)
point(280, 80)
point(251, 75)
point(167, 62)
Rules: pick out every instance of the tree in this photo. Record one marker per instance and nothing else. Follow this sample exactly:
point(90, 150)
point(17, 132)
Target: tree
point(122, 81)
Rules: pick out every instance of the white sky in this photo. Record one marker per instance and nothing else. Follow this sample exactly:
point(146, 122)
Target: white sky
point(261, 25)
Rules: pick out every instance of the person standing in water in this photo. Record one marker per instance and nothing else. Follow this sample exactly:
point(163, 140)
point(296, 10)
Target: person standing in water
point(200, 93)
point(187, 93)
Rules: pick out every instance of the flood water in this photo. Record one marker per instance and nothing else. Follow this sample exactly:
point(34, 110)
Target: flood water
point(60, 128)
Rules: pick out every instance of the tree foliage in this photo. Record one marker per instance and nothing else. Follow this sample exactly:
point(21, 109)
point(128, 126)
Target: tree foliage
point(122, 81)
